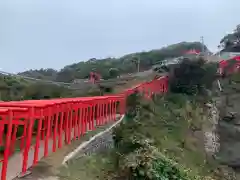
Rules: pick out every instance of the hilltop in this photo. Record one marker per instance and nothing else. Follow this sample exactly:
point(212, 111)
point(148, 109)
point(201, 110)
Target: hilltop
point(125, 64)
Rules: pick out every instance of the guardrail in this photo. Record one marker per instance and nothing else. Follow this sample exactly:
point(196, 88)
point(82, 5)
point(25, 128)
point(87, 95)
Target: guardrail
point(39, 127)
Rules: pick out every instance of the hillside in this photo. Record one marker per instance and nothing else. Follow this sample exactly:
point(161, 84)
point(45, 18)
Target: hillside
point(164, 145)
point(47, 74)
point(125, 64)
point(182, 135)
point(18, 89)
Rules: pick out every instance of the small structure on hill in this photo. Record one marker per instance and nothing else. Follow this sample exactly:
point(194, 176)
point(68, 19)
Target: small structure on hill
point(229, 66)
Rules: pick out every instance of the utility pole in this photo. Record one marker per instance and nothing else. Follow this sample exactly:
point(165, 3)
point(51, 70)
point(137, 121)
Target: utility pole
point(219, 50)
point(138, 64)
point(202, 41)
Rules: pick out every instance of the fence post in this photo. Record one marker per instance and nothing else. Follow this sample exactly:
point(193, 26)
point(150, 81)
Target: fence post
point(38, 137)
point(7, 146)
point(48, 123)
point(61, 125)
point(79, 112)
point(93, 115)
point(29, 139)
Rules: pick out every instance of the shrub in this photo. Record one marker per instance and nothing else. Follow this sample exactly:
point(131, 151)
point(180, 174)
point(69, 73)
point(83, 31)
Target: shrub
point(192, 76)
point(136, 156)
point(113, 72)
point(235, 77)
point(133, 102)
point(105, 89)
point(147, 163)
point(94, 92)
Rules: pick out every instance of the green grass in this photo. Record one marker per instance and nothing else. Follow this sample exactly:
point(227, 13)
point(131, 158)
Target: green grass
point(174, 124)
point(94, 167)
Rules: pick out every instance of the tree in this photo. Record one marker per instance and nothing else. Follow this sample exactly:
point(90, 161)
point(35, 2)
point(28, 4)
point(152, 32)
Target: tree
point(192, 76)
point(47, 74)
point(135, 60)
point(125, 64)
point(113, 72)
point(231, 39)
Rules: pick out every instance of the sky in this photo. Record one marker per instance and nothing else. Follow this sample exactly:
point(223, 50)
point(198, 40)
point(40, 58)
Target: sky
point(53, 33)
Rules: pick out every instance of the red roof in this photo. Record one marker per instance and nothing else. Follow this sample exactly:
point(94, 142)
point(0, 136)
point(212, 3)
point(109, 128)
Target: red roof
point(193, 51)
point(237, 58)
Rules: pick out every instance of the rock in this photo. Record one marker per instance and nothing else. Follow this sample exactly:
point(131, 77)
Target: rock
point(230, 116)
point(49, 178)
point(209, 105)
point(23, 175)
point(229, 144)
point(209, 93)
point(230, 155)
point(237, 122)
point(211, 142)
point(225, 172)
point(233, 114)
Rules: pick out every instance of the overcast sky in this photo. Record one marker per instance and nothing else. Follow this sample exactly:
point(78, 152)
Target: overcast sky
point(54, 33)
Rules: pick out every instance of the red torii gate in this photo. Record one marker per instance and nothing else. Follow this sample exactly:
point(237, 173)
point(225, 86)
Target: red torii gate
point(225, 63)
point(58, 122)
point(94, 77)
point(193, 51)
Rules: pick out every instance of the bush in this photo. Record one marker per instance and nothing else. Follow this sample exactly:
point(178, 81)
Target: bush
point(142, 161)
point(235, 77)
point(192, 76)
point(113, 72)
point(94, 92)
point(105, 89)
point(147, 163)
point(136, 157)
point(133, 102)
point(210, 74)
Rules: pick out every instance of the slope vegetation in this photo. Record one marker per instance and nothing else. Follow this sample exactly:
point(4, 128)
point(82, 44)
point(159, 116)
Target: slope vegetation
point(124, 64)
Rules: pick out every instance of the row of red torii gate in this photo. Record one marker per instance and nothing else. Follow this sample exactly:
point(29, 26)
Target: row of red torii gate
point(47, 125)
